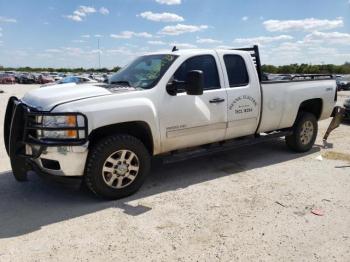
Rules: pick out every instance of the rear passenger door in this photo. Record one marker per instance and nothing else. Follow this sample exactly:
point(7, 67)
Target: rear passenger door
point(243, 91)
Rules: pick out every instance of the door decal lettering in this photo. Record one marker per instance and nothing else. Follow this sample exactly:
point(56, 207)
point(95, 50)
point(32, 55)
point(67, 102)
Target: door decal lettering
point(244, 104)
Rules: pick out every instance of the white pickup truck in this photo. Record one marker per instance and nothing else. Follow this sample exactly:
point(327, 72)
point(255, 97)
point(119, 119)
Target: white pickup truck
point(175, 104)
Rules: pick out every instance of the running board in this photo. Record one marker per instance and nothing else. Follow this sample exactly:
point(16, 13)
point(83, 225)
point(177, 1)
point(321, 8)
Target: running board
point(178, 156)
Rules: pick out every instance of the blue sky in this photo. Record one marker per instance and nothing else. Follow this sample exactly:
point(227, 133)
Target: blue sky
point(64, 33)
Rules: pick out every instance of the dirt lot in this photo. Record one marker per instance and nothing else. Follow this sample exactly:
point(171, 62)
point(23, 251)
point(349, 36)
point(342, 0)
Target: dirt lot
point(253, 204)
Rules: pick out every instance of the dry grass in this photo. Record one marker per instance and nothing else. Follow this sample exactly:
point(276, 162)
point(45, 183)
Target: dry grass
point(336, 156)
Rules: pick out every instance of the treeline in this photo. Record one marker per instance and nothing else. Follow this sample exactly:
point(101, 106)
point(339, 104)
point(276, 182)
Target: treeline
point(60, 70)
point(307, 69)
point(285, 69)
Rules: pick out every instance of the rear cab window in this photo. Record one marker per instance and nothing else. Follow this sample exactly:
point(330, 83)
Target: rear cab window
point(236, 70)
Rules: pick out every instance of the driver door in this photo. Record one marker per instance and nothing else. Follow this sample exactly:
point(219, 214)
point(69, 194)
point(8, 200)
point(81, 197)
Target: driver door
point(187, 120)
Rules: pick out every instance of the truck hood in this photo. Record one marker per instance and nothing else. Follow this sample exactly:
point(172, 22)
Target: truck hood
point(48, 97)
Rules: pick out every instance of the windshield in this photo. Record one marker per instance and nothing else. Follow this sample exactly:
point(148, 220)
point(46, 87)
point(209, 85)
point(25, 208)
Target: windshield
point(144, 72)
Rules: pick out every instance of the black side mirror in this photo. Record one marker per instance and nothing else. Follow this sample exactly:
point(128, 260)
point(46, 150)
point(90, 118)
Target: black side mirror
point(171, 88)
point(195, 83)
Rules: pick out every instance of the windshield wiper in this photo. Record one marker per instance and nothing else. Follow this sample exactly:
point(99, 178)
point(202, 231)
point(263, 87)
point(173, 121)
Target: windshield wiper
point(120, 83)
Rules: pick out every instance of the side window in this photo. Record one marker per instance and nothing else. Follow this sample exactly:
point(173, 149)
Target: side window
point(236, 70)
point(205, 63)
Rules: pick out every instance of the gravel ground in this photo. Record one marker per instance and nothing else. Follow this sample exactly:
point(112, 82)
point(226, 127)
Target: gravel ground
point(252, 204)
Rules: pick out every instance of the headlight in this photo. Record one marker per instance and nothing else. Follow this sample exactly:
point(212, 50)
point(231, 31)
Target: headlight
point(64, 122)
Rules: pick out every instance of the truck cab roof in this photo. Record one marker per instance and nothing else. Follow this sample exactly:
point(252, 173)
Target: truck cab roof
point(196, 51)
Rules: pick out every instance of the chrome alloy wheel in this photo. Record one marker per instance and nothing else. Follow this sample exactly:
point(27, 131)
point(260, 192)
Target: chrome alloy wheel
point(120, 169)
point(307, 132)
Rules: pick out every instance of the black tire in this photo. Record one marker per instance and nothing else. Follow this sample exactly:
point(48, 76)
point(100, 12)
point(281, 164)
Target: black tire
point(297, 141)
point(95, 178)
point(19, 169)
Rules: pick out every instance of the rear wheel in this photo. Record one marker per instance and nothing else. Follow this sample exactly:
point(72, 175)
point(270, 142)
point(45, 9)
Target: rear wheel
point(304, 133)
point(117, 166)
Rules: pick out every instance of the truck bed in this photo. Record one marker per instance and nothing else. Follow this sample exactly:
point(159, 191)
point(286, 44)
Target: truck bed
point(280, 97)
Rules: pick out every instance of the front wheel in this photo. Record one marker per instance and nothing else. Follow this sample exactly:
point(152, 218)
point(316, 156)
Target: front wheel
point(117, 166)
point(19, 168)
point(304, 133)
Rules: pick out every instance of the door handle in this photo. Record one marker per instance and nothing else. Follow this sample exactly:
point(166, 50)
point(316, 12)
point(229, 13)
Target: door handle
point(217, 100)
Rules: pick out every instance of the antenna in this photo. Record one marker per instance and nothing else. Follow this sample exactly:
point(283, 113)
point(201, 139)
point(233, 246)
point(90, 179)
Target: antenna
point(174, 49)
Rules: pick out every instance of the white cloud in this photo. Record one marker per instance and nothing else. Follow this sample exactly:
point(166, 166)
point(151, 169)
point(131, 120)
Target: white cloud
point(53, 50)
point(121, 50)
point(322, 51)
point(156, 42)
point(181, 29)
point(308, 24)
point(75, 18)
point(130, 34)
point(245, 18)
point(162, 17)
point(85, 36)
point(143, 34)
point(208, 41)
point(304, 52)
point(73, 51)
point(98, 36)
point(289, 47)
point(169, 2)
point(104, 11)
point(87, 9)
point(82, 12)
point(328, 37)
point(7, 20)
point(78, 41)
point(183, 45)
point(224, 47)
point(262, 39)
point(96, 51)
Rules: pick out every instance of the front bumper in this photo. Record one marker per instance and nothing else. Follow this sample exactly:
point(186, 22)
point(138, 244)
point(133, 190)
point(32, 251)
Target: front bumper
point(59, 157)
point(61, 161)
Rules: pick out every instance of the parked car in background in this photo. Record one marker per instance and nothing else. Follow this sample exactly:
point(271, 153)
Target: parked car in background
point(343, 82)
point(347, 109)
point(76, 80)
point(26, 79)
point(7, 79)
point(58, 76)
point(72, 80)
point(45, 79)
